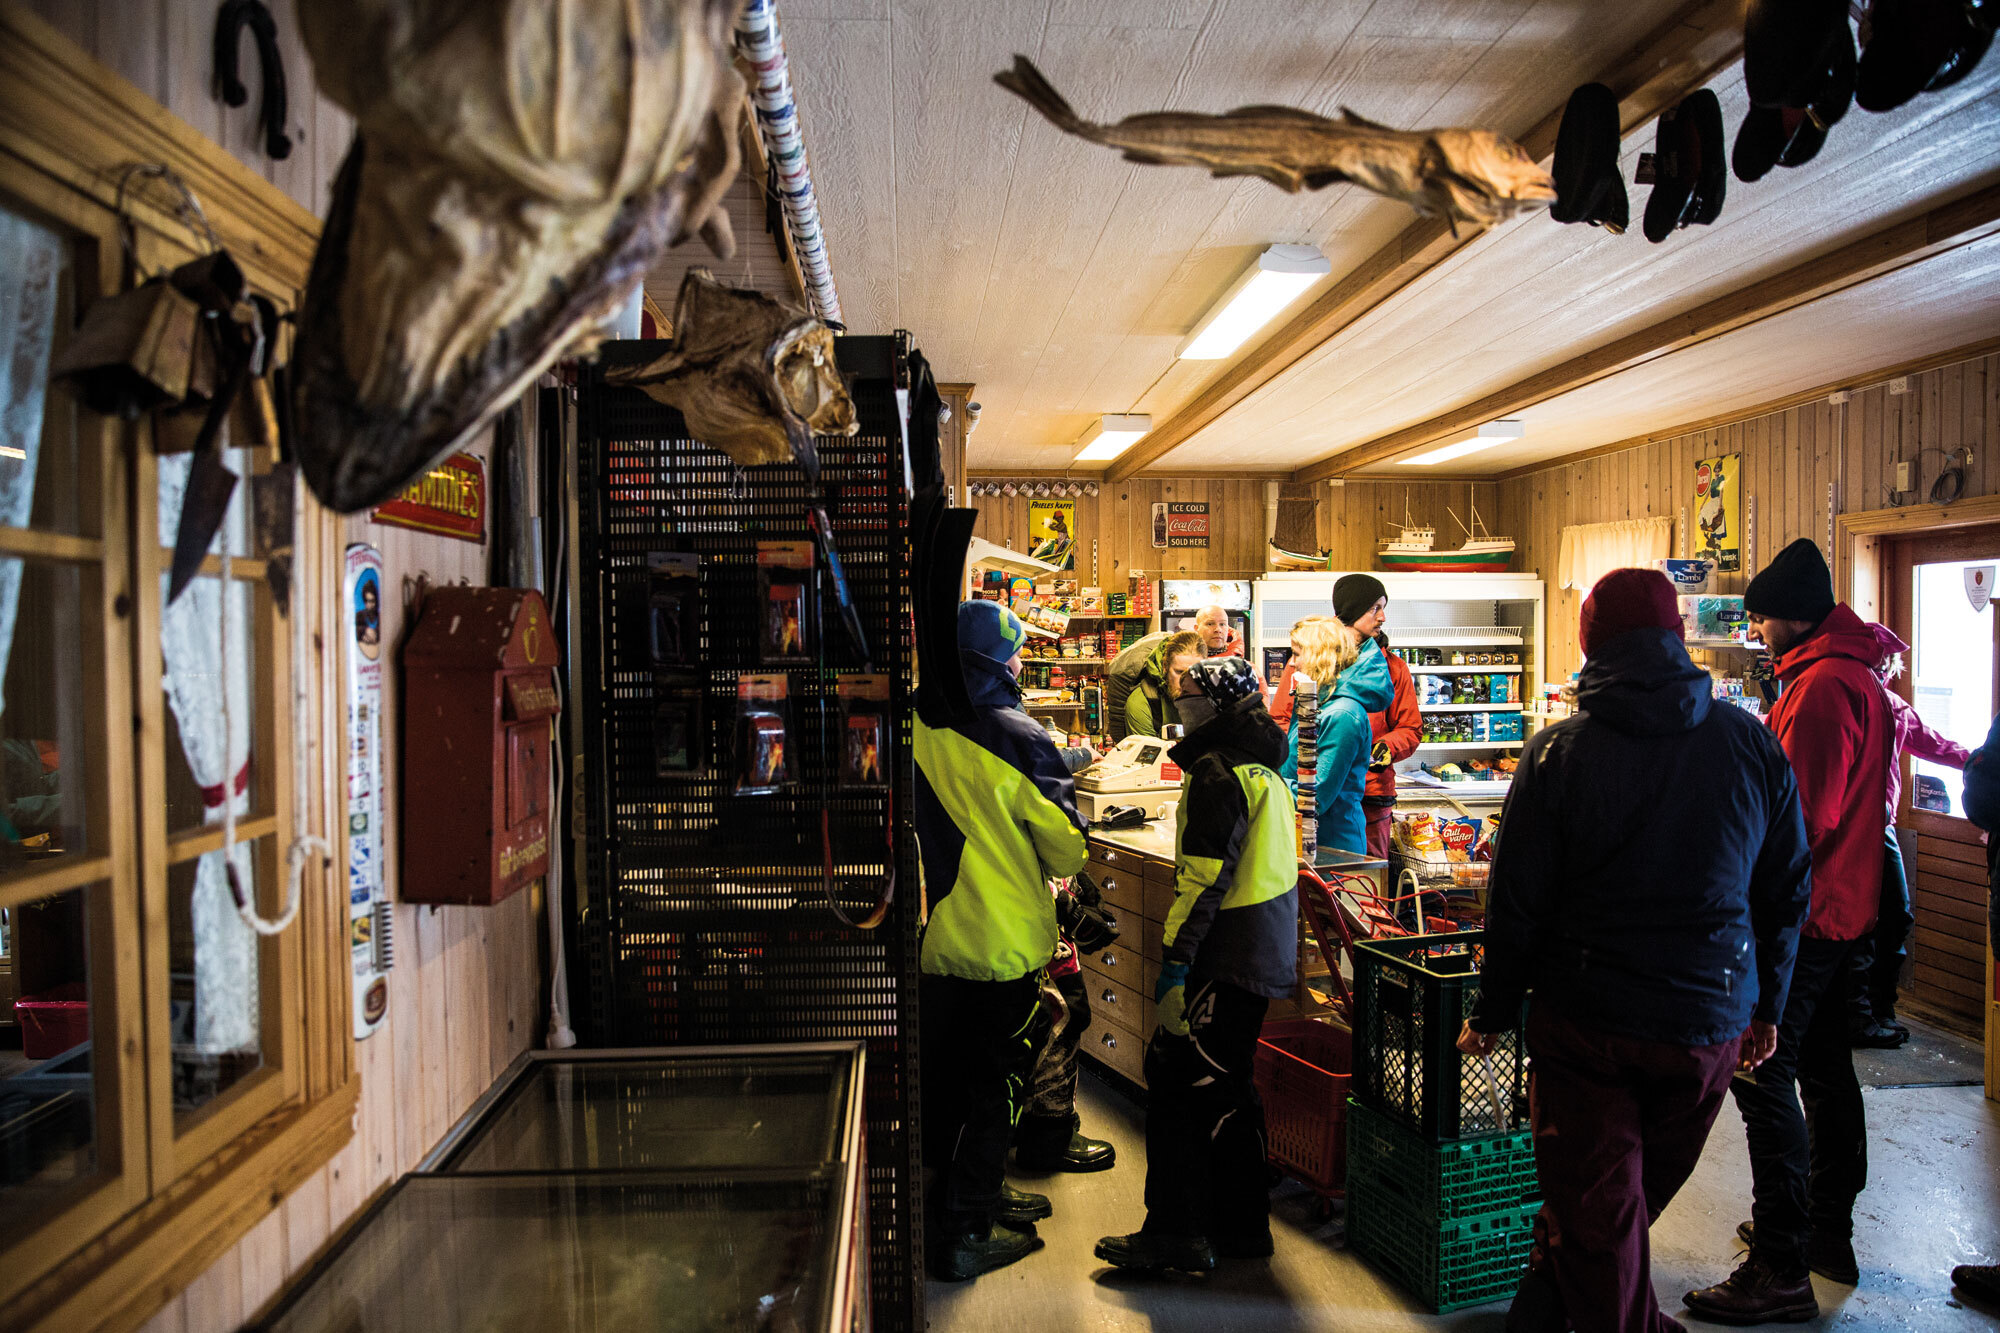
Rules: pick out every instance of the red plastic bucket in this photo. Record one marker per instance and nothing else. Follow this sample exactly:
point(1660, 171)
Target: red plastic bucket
point(53, 1021)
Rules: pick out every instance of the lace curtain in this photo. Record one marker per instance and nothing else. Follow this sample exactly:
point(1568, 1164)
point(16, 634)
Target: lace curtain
point(1592, 550)
point(225, 949)
point(31, 261)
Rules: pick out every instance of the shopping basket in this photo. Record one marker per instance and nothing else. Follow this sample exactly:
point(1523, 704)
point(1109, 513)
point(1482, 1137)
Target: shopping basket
point(1302, 1073)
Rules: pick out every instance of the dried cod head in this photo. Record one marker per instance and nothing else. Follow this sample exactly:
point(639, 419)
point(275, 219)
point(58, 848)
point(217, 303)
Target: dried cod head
point(754, 378)
point(517, 167)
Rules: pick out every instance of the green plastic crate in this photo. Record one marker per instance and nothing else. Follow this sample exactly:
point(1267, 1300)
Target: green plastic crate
point(1442, 1181)
point(1448, 1265)
point(1412, 994)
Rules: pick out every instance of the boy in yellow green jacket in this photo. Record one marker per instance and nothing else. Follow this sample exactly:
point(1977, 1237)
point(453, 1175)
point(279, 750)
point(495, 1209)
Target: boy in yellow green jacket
point(1231, 947)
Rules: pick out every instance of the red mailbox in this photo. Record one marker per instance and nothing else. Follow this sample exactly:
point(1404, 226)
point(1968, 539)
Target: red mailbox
point(479, 696)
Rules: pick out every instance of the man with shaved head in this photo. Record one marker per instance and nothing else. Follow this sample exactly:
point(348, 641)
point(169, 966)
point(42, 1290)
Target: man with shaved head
point(1217, 637)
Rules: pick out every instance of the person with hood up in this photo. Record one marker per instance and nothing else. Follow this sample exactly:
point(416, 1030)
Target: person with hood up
point(1352, 677)
point(1361, 603)
point(1658, 961)
point(1808, 1164)
point(1230, 948)
point(1151, 707)
point(1878, 963)
point(996, 820)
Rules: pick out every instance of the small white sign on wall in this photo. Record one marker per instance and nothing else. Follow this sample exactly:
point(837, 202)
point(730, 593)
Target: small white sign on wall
point(1979, 586)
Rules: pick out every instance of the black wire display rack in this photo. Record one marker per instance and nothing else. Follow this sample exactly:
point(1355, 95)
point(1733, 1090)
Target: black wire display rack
point(706, 917)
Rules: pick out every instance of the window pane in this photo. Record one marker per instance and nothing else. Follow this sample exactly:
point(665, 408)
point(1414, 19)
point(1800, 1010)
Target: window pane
point(42, 702)
point(48, 1104)
point(201, 766)
point(38, 426)
point(234, 533)
point(214, 994)
point(1952, 685)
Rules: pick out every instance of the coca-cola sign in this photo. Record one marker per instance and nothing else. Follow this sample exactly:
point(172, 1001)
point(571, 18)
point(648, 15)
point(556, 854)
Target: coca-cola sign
point(1180, 524)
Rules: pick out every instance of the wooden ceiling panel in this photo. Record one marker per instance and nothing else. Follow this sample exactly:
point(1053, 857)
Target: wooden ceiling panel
point(1928, 308)
point(1534, 294)
point(1055, 275)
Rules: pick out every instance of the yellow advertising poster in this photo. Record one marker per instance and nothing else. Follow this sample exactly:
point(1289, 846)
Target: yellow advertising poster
point(1718, 512)
point(1052, 532)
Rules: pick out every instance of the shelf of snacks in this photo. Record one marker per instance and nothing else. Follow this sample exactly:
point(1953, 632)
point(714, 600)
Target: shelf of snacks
point(1463, 668)
point(1435, 746)
point(1502, 707)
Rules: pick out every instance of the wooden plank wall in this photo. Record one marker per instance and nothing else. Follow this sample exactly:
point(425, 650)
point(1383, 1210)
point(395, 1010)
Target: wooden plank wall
point(1790, 459)
point(1801, 467)
point(465, 994)
point(1116, 526)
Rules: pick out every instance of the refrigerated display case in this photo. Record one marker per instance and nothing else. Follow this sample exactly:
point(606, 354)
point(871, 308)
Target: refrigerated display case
point(689, 1188)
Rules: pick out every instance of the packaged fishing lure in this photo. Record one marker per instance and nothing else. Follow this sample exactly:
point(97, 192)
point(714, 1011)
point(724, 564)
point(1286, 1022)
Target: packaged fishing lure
point(763, 725)
point(864, 730)
point(679, 724)
point(788, 629)
point(673, 609)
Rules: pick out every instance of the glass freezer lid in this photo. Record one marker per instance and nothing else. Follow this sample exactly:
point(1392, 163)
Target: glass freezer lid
point(664, 1111)
point(586, 1252)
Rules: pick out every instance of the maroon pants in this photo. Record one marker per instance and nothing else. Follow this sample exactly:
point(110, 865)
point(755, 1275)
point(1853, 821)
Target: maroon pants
point(1379, 820)
point(1619, 1125)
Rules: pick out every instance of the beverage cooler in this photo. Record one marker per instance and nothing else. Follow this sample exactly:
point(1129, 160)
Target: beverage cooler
point(687, 1188)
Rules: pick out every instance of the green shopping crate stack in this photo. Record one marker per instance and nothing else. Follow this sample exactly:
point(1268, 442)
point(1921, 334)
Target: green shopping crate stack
point(1441, 1188)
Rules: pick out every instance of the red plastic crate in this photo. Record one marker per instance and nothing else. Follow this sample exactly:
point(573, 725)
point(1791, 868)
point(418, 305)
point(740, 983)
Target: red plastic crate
point(1303, 1071)
point(53, 1021)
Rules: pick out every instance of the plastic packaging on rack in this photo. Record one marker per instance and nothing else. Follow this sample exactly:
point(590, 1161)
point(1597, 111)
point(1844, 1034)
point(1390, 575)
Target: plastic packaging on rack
point(763, 725)
point(787, 629)
point(864, 730)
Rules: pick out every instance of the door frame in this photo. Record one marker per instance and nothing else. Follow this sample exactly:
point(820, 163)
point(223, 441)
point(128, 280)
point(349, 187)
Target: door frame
point(1861, 568)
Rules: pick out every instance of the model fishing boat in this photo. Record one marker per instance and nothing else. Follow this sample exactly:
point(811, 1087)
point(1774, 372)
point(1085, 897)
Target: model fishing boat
point(1412, 549)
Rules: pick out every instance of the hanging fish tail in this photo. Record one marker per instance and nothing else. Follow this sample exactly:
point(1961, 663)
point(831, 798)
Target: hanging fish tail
point(1027, 83)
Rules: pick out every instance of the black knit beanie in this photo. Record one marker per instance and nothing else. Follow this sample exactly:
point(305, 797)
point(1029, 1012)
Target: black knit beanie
point(1796, 585)
point(1353, 594)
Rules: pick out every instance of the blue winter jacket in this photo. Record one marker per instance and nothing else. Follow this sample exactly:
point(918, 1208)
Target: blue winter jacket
point(1345, 740)
point(1982, 807)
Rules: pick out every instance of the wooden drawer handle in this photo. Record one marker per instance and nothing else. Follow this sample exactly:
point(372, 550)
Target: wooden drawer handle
point(1110, 996)
point(1109, 884)
point(1110, 958)
point(1110, 1042)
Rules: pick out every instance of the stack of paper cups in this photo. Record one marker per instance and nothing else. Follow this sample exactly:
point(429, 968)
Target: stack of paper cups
point(1305, 708)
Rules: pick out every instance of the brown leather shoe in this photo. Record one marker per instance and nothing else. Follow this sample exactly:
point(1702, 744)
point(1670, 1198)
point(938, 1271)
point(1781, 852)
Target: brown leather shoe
point(1757, 1293)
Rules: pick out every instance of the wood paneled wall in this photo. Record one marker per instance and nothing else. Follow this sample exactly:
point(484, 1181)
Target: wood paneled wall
point(1802, 467)
point(1115, 528)
point(465, 995)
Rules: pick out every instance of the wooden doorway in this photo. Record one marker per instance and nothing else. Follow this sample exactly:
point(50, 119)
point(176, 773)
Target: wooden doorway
point(1952, 677)
point(1906, 568)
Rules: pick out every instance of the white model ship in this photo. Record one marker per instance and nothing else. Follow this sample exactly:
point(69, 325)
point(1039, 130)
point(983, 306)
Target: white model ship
point(1411, 549)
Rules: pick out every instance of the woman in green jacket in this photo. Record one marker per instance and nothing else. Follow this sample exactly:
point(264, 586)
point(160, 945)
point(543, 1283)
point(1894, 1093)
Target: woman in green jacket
point(1149, 708)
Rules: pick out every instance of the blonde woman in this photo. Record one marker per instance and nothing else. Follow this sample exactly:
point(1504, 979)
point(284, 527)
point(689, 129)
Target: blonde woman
point(1352, 676)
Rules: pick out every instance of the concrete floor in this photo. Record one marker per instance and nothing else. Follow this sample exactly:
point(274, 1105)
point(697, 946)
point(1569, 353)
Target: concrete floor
point(1933, 1201)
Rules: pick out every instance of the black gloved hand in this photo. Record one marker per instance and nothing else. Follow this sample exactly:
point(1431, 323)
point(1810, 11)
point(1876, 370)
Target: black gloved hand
point(1087, 925)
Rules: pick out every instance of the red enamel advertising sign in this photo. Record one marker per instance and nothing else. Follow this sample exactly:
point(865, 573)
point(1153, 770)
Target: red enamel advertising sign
point(449, 499)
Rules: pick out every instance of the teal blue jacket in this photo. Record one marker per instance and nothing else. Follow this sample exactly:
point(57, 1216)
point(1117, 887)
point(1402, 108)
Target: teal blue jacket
point(1345, 741)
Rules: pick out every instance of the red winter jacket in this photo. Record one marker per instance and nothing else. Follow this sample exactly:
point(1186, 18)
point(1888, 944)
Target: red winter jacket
point(1401, 727)
point(1833, 722)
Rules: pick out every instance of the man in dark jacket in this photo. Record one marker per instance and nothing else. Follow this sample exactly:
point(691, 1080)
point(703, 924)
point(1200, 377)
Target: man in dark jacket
point(1230, 948)
point(1982, 807)
point(1809, 1163)
point(996, 820)
point(1362, 604)
point(1649, 883)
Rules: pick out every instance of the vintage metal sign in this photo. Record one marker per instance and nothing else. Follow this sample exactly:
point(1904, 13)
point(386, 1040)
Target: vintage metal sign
point(1180, 524)
point(369, 916)
point(449, 499)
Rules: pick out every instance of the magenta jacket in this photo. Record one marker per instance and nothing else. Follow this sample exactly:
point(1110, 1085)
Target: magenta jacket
point(1913, 735)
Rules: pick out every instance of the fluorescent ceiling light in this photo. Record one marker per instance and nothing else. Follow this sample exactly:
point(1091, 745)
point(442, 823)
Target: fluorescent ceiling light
point(1111, 435)
point(9, 451)
point(1280, 275)
point(1490, 434)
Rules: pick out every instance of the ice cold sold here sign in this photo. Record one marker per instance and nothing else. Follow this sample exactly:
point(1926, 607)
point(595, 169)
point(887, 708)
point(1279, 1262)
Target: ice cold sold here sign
point(1179, 524)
